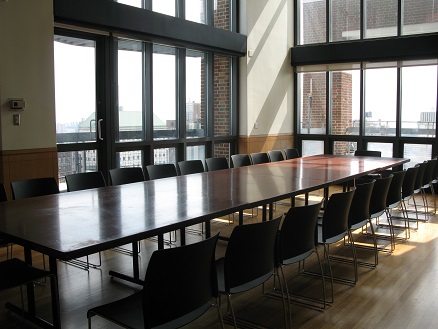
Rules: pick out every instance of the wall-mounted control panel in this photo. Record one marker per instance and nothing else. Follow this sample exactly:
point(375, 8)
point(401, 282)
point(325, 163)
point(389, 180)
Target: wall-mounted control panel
point(17, 104)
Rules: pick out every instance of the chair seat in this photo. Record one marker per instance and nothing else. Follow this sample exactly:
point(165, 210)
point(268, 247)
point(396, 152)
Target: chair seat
point(15, 272)
point(332, 239)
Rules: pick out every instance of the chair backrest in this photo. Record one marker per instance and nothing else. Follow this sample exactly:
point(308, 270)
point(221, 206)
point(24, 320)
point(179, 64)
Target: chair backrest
point(428, 172)
point(435, 171)
point(250, 255)
point(240, 160)
point(419, 178)
point(368, 153)
point(213, 164)
point(291, 153)
point(158, 171)
point(296, 238)
point(187, 274)
point(3, 195)
point(408, 186)
point(29, 188)
point(360, 205)
point(378, 197)
point(275, 155)
point(84, 181)
point(128, 175)
point(188, 167)
point(394, 196)
point(335, 218)
point(258, 158)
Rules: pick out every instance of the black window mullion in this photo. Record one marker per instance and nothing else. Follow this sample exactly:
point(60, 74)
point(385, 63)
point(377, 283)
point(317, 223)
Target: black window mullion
point(148, 108)
point(209, 95)
point(181, 99)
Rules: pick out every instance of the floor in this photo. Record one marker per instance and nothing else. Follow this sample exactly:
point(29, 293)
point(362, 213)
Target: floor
point(402, 292)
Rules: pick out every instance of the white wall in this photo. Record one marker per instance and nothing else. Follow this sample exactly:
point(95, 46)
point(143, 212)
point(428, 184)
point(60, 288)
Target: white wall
point(26, 71)
point(266, 78)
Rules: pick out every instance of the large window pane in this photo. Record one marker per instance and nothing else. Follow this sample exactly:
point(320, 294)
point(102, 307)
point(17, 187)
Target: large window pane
point(419, 97)
point(344, 20)
point(130, 90)
point(221, 150)
point(222, 14)
point(222, 93)
point(196, 152)
point(75, 162)
point(312, 148)
point(345, 102)
point(166, 7)
point(134, 3)
point(195, 10)
point(417, 153)
point(344, 148)
point(380, 18)
point(129, 159)
point(164, 92)
point(312, 103)
point(195, 84)
point(75, 90)
point(380, 101)
point(419, 16)
point(385, 148)
point(312, 21)
point(165, 155)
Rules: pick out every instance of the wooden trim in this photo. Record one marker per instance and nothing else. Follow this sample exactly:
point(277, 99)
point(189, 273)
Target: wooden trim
point(264, 143)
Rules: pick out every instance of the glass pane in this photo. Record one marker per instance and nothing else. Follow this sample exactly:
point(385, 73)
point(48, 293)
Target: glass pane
point(75, 162)
point(222, 99)
point(195, 11)
point(312, 103)
point(129, 159)
point(417, 153)
point(130, 90)
point(345, 102)
point(196, 152)
point(344, 20)
point(195, 84)
point(385, 148)
point(165, 155)
point(222, 14)
point(166, 7)
point(75, 74)
point(164, 92)
point(134, 3)
point(344, 148)
point(380, 102)
point(312, 148)
point(312, 21)
point(419, 96)
point(222, 150)
point(381, 18)
point(419, 16)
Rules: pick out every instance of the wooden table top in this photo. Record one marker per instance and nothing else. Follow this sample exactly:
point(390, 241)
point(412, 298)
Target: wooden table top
point(74, 224)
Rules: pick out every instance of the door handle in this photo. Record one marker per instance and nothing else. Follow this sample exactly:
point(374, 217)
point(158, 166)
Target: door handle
point(99, 129)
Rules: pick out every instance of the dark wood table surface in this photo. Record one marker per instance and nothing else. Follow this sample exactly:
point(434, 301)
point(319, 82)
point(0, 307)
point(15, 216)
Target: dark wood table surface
point(74, 224)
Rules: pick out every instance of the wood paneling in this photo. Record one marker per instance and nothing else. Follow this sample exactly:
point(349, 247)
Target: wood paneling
point(264, 143)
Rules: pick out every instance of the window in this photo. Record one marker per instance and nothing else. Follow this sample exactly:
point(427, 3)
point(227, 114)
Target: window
point(312, 147)
point(312, 103)
point(166, 7)
point(195, 94)
point(419, 16)
point(312, 23)
point(222, 95)
point(417, 153)
point(195, 10)
point(380, 18)
point(344, 20)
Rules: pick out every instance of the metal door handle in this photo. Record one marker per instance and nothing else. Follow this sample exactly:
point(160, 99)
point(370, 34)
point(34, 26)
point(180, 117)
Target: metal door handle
point(99, 129)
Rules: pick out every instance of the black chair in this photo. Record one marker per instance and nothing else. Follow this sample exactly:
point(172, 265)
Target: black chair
point(158, 171)
point(427, 184)
point(296, 242)
point(418, 189)
point(179, 286)
point(275, 155)
point(291, 153)
point(84, 181)
point(434, 182)
point(408, 189)
point(188, 167)
point(15, 272)
point(248, 260)
point(213, 164)
point(3, 195)
point(240, 160)
point(79, 182)
point(3, 198)
point(258, 158)
point(368, 153)
point(33, 187)
point(120, 176)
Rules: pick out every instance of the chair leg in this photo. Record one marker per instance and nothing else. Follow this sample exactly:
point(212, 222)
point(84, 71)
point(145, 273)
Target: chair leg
point(230, 309)
point(219, 314)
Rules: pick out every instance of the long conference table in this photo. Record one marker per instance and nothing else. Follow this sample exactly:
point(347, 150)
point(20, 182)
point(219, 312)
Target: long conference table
point(75, 224)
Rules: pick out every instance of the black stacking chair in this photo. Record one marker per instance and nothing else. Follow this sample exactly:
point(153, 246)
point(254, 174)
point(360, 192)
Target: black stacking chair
point(258, 158)
point(3, 198)
point(291, 153)
point(179, 286)
point(120, 176)
point(84, 181)
point(275, 155)
point(188, 167)
point(408, 189)
point(427, 183)
point(15, 272)
point(296, 242)
point(33, 187)
point(213, 164)
point(240, 160)
point(434, 182)
point(158, 171)
point(248, 261)
point(418, 186)
point(3, 195)
point(368, 153)
point(79, 182)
